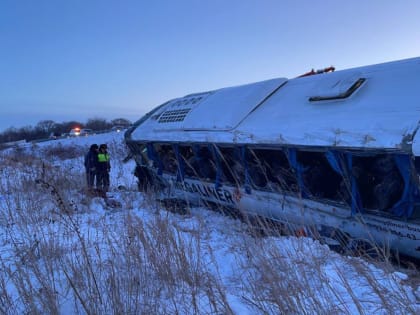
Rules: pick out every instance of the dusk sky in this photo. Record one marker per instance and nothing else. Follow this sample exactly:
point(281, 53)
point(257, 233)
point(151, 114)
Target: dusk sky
point(80, 59)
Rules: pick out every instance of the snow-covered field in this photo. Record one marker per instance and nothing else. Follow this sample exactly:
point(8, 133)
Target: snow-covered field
point(63, 252)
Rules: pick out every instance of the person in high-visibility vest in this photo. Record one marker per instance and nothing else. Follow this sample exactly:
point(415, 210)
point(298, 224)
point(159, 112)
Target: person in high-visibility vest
point(103, 169)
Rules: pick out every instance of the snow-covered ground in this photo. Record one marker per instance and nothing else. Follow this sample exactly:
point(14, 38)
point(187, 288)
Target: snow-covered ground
point(64, 252)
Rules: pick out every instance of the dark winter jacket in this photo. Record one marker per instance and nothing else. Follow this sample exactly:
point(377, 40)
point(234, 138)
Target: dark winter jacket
point(91, 160)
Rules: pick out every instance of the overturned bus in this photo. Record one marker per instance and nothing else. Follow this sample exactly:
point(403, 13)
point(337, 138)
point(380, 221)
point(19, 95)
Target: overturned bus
point(333, 153)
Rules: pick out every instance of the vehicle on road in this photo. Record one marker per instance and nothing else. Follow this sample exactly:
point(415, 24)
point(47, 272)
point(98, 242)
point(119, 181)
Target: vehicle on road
point(74, 132)
point(86, 132)
point(118, 128)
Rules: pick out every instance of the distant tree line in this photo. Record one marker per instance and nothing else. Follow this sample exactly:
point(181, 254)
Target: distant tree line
point(45, 128)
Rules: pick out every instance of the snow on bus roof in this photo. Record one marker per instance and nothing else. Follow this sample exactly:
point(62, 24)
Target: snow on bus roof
point(373, 106)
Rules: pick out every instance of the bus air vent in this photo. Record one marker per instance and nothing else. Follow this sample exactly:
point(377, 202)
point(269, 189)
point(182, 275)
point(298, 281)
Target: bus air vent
point(176, 115)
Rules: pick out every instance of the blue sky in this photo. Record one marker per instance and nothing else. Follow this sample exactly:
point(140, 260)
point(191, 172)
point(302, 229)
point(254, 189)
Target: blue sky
point(80, 59)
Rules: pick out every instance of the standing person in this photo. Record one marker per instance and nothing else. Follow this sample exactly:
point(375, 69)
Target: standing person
point(91, 161)
point(103, 167)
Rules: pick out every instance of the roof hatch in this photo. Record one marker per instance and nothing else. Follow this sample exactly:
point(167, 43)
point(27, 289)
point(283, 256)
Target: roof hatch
point(336, 88)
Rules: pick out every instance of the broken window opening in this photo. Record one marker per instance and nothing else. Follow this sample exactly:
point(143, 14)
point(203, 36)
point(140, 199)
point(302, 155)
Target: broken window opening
point(205, 164)
point(379, 181)
point(233, 171)
point(341, 163)
point(256, 170)
point(188, 160)
point(270, 169)
point(140, 152)
point(320, 180)
point(166, 155)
